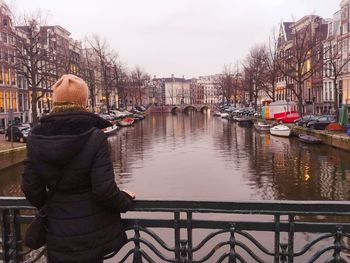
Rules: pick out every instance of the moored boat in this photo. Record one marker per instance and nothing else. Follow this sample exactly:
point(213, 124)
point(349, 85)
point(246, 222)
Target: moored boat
point(262, 126)
point(309, 139)
point(281, 130)
point(126, 122)
point(225, 115)
point(245, 122)
point(111, 130)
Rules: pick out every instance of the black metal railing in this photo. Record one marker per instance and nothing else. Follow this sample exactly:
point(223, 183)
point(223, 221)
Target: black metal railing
point(262, 231)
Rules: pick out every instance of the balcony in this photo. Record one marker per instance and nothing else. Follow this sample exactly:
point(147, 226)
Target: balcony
point(210, 231)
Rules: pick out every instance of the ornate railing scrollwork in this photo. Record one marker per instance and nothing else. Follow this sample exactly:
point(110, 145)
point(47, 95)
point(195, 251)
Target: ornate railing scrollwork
point(194, 238)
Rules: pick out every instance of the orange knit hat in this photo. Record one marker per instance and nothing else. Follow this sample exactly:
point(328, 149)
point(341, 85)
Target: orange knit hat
point(70, 88)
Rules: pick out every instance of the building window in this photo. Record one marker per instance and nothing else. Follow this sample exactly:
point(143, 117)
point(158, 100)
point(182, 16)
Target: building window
point(8, 101)
point(14, 101)
point(7, 77)
point(330, 90)
point(13, 79)
point(5, 22)
point(1, 78)
point(2, 106)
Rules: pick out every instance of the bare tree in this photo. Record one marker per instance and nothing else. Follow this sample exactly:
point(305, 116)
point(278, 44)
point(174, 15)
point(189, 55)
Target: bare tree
point(270, 56)
point(225, 83)
point(87, 72)
point(106, 59)
point(121, 80)
point(255, 73)
point(33, 60)
point(304, 59)
point(336, 61)
point(139, 81)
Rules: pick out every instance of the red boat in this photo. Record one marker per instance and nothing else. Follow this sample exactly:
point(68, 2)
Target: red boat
point(126, 122)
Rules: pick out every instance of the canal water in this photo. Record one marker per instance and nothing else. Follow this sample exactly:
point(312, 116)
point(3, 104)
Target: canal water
point(196, 156)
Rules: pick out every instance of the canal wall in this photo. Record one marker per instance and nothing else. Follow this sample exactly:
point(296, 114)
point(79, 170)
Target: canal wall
point(12, 157)
point(338, 140)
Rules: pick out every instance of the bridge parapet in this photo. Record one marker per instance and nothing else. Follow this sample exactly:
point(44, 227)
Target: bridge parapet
point(242, 231)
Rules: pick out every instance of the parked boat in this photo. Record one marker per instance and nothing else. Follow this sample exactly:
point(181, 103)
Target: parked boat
point(126, 122)
point(245, 122)
point(281, 130)
point(217, 114)
point(225, 115)
point(309, 139)
point(138, 117)
point(111, 130)
point(262, 126)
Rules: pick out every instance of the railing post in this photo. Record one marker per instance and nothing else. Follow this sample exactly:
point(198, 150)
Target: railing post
point(16, 235)
point(283, 254)
point(183, 251)
point(5, 229)
point(137, 258)
point(189, 237)
point(337, 243)
point(177, 236)
point(277, 238)
point(291, 239)
point(232, 255)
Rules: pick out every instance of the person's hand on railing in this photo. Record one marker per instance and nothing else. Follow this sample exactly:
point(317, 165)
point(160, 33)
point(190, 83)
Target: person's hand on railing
point(131, 194)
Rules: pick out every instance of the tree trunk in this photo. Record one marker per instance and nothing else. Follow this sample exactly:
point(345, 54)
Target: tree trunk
point(336, 99)
point(256, 101)
point(35, 118)
point(300, 98)
point(107, 100)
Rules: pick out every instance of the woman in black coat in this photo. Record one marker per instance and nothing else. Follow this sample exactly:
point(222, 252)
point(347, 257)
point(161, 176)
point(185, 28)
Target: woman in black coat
point(84, 221)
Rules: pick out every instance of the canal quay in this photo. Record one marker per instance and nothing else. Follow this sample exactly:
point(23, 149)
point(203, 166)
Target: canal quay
point(226, 172)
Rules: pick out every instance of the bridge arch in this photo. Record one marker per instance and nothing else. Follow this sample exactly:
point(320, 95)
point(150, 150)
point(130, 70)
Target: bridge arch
point(189, 107)
point(203, 108)
point(174, 109)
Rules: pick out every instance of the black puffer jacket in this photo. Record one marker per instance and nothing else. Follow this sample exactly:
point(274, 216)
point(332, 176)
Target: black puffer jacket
point(84, 215)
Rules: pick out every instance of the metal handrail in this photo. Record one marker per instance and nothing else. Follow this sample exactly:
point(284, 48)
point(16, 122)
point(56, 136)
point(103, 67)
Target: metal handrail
point(328, 222)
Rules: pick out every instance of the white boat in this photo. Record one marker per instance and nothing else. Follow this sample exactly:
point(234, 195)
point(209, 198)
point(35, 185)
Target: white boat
point(111, 130)
point(225, 115)
point(281, 130)
point(262, 126)
point(217, 113)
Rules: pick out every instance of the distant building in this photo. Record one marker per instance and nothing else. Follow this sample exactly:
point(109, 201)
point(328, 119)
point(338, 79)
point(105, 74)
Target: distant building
point(11, 98)
point(341, 32)
point(209, 86)
point(170, 91)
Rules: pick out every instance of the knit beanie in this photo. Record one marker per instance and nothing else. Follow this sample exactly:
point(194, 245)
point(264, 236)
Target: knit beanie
point(70, 88)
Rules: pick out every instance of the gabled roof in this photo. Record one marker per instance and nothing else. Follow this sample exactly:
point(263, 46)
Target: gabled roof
point(287, 30)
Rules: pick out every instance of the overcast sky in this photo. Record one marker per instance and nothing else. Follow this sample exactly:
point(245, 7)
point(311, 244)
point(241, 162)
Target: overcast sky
point(181, 37)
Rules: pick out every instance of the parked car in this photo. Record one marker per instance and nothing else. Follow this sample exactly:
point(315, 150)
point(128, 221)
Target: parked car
point(19, 133)
point(303, 121)
point(288, 118)
point(321, 123)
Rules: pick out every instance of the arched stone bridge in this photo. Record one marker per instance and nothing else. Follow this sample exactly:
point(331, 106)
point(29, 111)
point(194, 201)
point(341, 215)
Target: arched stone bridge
point(183, 108)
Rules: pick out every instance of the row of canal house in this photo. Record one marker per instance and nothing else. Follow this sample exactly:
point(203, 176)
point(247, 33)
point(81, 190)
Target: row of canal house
point(63, 55)
point(177, 91)
point(333, 35)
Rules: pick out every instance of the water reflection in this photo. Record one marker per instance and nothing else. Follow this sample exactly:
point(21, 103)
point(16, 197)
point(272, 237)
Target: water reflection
point(198, 156)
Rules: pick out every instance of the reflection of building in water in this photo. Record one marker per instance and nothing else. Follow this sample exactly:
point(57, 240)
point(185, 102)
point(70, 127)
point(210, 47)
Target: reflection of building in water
point(332, 180)
point(131, 145)
point(287, 169)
